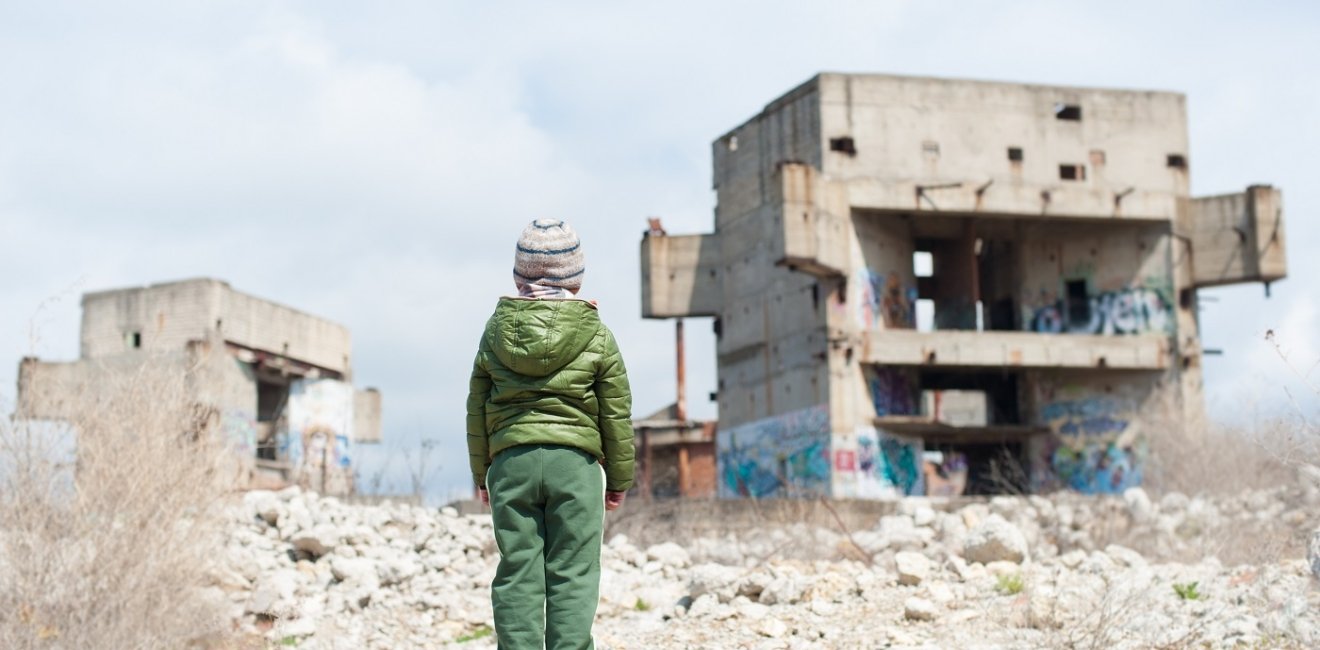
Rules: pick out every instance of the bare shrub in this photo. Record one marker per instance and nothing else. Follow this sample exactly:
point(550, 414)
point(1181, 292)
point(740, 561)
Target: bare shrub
point(109, 518)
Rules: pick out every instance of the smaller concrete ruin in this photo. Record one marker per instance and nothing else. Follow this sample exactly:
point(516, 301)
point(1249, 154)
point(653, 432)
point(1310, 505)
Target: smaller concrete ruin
point(275, 381)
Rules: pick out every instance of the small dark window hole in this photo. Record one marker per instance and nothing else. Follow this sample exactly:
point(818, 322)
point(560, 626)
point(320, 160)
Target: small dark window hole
point(1072, 172)
point(1177, 161)
point(1079, 304)
point(136, 339)
point(1071, 112)
point(1015, 154)
point(844, 145)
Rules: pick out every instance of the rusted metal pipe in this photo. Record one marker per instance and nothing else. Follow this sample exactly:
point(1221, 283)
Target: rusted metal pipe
point(680, 405)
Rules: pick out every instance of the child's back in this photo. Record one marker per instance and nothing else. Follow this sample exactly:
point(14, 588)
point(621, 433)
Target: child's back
point(548, 403)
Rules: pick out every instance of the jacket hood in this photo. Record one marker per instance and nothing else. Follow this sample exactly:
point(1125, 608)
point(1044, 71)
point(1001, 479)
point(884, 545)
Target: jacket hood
point(537, 338)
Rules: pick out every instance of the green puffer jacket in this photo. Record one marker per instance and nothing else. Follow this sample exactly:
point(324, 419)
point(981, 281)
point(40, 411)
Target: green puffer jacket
point(549, 372)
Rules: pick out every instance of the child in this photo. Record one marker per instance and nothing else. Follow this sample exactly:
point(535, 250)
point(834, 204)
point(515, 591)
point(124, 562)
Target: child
point(548, 404)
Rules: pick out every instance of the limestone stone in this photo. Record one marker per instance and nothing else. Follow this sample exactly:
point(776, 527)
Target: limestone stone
point(993, 540)
point(919, 609)
point(912, 567)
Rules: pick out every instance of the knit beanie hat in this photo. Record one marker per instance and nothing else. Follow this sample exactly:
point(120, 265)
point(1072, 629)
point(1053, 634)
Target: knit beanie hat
point(549, 254)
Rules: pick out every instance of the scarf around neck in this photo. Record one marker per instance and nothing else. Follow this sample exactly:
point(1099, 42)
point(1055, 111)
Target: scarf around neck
point(539, 291)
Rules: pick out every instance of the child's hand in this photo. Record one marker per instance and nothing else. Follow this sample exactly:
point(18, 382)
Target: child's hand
point(614, 499)
point(485, 496)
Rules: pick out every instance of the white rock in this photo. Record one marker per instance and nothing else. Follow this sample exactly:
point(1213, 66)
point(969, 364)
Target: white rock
point(1125, 556)
point(940, 593)
point(397, 568)
point(703, 605)
point(274, 593)
point(1002, 568)
point(1073, 559)
point(901, 533)
point(1139, 504)
point(669, 554)
point(772, 627)
point(784, 590)
point(752, 611)
point(995, 540)
point(358, 571)
point(716, 579)
point(919, 609)
point(912, 567)
point(318, 541)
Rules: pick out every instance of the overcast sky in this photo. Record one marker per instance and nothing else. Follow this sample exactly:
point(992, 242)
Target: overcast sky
point(374, 162)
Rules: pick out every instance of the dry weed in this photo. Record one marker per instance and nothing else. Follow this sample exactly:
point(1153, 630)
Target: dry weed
point(109, 518)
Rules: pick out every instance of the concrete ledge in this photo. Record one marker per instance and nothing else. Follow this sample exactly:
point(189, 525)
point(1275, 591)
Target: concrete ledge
point(1015, 349)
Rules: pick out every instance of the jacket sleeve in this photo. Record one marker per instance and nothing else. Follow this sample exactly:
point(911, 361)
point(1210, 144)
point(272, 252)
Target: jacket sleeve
point(478, 439)
point(616, 431)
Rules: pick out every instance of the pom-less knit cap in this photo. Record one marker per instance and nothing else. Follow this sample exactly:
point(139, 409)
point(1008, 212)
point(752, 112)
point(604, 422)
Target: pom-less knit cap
point(549, 254)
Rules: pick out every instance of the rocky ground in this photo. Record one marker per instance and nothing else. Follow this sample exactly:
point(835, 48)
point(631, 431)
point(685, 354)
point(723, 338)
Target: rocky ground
point(1012, 572)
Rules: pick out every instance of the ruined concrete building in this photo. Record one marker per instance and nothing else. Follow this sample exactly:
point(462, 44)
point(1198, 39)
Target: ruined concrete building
point(920, 285)
point(275, 381)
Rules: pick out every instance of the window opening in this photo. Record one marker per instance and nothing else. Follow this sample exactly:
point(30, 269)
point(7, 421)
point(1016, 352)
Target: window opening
point(1070, 112)
point(1015, 154)
point(844, 144)
point(1079, 303)
point(923, 264)
point(925, 312)
point(1177, 161)
point(135, 339)
point(1072, 172)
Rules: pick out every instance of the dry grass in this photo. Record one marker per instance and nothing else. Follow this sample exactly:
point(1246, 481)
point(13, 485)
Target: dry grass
point(109, 519)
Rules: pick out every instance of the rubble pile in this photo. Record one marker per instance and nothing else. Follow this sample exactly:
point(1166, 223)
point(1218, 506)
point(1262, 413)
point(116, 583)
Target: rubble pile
point(1012, 572)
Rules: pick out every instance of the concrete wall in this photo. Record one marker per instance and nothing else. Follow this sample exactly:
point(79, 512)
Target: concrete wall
point(911, 132)
point(167, 316)
point(1126, 270)
point(771, 318)
point(252, 322)
point(1099, 426)
point(162, 317)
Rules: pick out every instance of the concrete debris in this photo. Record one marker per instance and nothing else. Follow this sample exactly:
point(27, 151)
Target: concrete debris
point(995, 540)
point(1009, 573)
point(912, 567)
point(918, 609)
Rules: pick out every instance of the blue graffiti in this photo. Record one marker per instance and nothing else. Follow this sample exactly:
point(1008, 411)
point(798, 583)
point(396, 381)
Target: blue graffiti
point(1098, 468)
point(786, 455)
point(891, 392)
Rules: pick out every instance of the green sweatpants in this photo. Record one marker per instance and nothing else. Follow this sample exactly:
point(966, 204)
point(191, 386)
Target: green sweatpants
point(548, 506)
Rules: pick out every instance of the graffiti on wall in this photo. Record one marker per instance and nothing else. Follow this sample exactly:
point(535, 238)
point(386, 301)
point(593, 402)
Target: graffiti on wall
point(1096, 447)
point(780, 456)
point(1127, 311)
point(883, 300)
point(240, 431)
point(320, 415)
point(946, 473)
point(892, 391)
point(882, 466)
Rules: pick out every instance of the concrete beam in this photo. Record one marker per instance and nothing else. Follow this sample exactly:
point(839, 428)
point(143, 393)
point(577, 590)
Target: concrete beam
point(366, 416)
point(1237, 238)
point(681, 276)
point(815, 224)
point(1015, 349)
